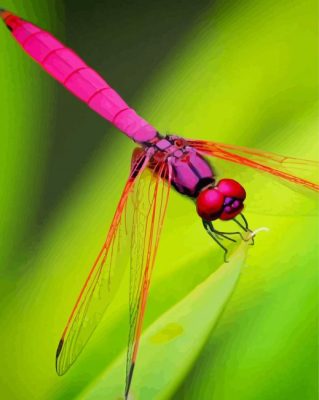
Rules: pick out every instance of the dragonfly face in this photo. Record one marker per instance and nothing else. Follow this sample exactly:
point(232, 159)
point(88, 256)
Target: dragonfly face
point(224, 201)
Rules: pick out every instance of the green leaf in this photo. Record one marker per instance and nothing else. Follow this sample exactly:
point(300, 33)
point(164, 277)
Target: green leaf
point(172, 343)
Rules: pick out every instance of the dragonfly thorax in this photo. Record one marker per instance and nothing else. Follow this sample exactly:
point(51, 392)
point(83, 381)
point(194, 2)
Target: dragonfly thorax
point(190, 171)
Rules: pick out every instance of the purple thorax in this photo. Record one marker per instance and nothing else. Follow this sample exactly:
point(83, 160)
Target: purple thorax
point(190, 171)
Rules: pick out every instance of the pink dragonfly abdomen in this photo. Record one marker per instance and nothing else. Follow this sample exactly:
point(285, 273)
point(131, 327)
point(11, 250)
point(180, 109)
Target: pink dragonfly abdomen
point(72, 72)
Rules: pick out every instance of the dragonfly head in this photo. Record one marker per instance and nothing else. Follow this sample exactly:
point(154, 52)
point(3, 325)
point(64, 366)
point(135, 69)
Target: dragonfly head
point(224, 201)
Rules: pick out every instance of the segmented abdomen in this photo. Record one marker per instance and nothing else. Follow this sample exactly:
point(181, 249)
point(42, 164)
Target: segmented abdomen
point(72, 72)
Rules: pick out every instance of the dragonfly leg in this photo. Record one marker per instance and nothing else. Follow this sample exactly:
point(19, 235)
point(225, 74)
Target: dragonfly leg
point(245, 221)
point(210, 230)
point(245, 227)
point(219, 236)
point(225, 234)
point(252, 238)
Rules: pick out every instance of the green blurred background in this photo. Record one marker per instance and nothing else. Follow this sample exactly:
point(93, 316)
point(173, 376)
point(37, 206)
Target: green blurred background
point(242, 72)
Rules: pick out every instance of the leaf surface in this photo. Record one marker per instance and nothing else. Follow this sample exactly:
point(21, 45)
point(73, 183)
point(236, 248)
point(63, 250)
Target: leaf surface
point(172, 343)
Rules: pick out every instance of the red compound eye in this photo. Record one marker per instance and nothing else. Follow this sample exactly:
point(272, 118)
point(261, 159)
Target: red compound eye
point(234, 197)
point(210, 204)
point(224, 201)
point(231, 188)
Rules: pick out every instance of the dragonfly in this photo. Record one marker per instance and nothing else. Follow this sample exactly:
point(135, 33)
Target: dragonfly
point(159, 163)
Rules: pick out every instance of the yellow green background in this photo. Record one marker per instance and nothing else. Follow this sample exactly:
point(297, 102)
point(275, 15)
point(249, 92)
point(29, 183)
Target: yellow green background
point(242, 72)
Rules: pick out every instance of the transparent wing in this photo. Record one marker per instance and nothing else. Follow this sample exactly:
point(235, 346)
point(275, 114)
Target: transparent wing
point(151, 195)
point(104, 277)
point(275, 184)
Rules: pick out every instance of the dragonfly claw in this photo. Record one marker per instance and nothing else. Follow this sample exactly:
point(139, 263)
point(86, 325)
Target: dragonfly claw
point(219, 236)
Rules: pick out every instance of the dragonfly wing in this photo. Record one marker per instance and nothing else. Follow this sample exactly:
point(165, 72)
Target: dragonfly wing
point(103, 279)
point(294, 181)
point(72, 72)
point(151, 195)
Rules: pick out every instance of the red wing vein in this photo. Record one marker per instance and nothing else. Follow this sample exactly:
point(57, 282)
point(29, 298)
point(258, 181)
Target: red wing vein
point(102, 281)
point(148, 221)
point(263, 161)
